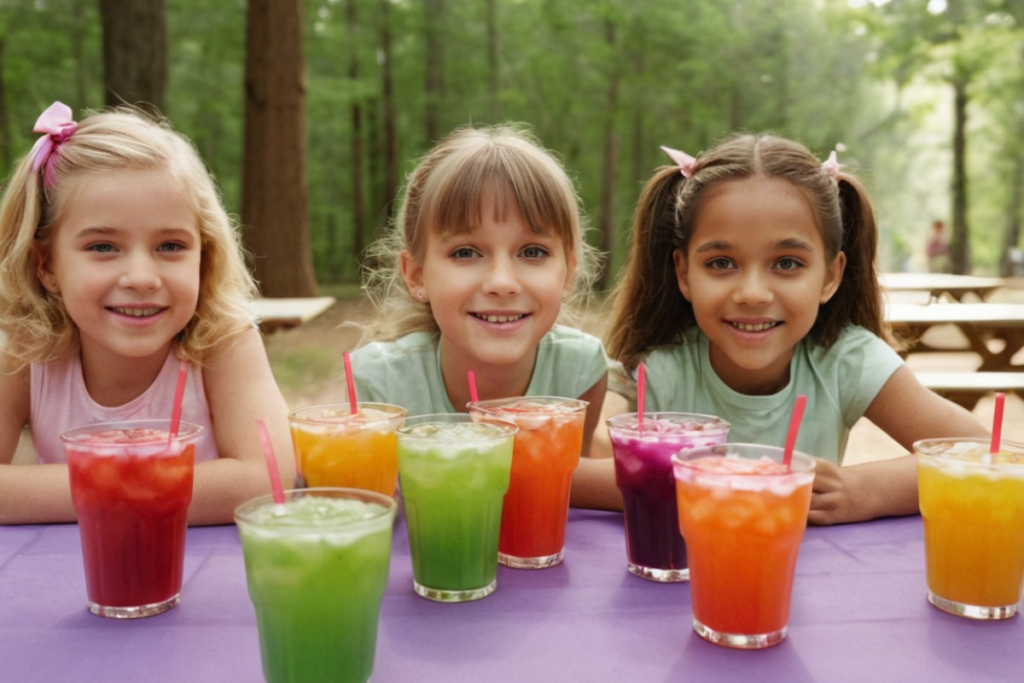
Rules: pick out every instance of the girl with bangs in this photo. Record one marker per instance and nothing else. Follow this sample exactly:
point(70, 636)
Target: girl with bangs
point(482, 267)
point(118, 263)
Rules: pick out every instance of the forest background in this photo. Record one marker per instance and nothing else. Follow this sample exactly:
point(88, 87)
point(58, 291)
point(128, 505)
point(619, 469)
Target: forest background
point(311, 112)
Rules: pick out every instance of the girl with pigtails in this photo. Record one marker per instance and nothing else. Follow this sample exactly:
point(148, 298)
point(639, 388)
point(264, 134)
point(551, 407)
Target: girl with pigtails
point(752, 280)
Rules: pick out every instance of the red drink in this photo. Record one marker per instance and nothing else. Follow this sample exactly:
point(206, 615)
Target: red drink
point(131, 487)
point(545, 453)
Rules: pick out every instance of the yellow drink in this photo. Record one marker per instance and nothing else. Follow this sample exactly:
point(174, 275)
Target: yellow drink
point(335, 448)
point(973, 513)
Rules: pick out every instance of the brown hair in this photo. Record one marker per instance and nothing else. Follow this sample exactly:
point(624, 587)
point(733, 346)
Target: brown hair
point(648, 308)
point(444, 195)
point(35, 322)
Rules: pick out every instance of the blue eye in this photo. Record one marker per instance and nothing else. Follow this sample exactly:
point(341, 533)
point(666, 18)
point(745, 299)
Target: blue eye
point(171, 246)
point(102, 248)
point(535, 252)
point(463, 253)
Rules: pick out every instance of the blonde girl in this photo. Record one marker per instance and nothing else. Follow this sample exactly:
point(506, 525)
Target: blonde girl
point(487, 247)
point(117, 259)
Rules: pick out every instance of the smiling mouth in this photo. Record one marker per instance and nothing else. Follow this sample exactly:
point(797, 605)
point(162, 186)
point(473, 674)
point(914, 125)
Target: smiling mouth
point(756, 327)
point(136, 312)
point(499, 318)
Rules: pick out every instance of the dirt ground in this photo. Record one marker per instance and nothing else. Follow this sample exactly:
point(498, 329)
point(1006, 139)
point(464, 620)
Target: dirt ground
point(307, 362)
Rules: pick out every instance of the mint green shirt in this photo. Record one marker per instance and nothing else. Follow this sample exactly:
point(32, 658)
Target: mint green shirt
point(407, 372)
point(840, 383)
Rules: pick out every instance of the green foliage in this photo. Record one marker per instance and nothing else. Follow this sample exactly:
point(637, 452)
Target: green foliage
point(865, 76)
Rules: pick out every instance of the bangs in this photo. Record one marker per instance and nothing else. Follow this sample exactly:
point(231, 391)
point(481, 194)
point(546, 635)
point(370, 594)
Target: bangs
point(535, 186)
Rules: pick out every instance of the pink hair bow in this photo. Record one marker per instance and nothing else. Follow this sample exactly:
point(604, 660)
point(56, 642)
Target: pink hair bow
point(831, 166)
point(683, 160)
point(57, 124)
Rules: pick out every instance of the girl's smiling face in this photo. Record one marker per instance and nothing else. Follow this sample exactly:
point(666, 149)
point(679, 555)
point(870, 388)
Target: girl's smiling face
point(494, 289)
point(124, 257)
point(756, 273)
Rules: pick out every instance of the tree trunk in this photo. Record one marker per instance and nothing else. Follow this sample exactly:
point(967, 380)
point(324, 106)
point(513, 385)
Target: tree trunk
point(433, 21)
point(356, 148)
point(492, 60)
point(606, 220)
point(388, 114)
point(134, 51)
point(275, 207)
point(959, 247)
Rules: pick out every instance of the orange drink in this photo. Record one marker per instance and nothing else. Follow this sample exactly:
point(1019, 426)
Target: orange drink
point(743, 515)
point(334, 447)
point(973, 511)
point(546, 451)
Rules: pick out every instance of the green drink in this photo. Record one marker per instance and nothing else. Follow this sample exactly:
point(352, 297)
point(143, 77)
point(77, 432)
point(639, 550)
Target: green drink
point(454, 473)
point(317, 567)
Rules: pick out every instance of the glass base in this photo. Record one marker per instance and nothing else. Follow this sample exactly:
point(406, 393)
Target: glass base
point(972, 611)
point(133, 612)
point(530, 562)
point(659, 575)
point(444, 595)
point(738, 640)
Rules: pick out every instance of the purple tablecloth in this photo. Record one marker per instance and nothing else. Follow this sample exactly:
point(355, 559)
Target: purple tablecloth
point(859, 614)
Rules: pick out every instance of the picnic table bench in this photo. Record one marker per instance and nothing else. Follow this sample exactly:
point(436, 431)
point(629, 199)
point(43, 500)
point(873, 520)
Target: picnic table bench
point(937, 284)
point(283, 313)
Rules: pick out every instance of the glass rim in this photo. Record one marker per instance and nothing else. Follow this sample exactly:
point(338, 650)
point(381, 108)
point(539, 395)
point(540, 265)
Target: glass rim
point(983, 443)
point(508, 427)
point(809, 463)
point(660, 415)
point(243, 511)
point(398, 412)
point(186, 430)
point(576, 404)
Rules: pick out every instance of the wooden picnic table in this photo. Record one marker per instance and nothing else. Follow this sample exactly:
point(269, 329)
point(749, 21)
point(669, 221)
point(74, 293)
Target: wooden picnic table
point(980, 323)
point(283, 313)
point(937, 284)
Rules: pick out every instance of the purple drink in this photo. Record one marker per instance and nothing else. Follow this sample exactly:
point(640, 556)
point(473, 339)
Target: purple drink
point(643, 472)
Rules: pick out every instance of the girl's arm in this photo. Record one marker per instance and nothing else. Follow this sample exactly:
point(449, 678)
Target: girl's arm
point(29, 494)
point(595, 397)
point(240, 388)
point(593, 482)
point(906, 411)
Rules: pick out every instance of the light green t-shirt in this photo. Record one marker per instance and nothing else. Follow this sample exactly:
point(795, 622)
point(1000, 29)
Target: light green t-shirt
point(840, 383)
point(407, 372)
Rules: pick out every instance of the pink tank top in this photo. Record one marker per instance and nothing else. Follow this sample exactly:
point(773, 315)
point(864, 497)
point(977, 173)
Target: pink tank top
point(60, 402)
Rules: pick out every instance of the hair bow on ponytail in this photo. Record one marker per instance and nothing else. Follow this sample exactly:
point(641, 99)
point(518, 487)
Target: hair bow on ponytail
point(831, 166)
point(57, 125)
point(683, 160)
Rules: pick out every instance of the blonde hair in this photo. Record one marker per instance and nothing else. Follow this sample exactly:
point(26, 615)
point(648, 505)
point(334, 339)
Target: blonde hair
point(444, 195)
point(36, 324)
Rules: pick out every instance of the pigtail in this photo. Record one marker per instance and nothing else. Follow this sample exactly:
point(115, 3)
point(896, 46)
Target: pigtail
point(648, 308)
point(858, 300)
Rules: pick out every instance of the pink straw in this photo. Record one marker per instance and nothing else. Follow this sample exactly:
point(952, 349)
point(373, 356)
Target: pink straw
point(472, 387)
point(997, 424)
point(794, 427)
point(268, 453)
point(179, 395)
point(641, 380)
point(353, 405)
